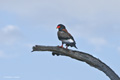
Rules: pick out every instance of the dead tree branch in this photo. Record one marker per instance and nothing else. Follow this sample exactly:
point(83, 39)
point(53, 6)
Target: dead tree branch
point(81, 56)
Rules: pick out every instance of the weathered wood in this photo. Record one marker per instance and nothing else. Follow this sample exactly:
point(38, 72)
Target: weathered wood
point(81, 56)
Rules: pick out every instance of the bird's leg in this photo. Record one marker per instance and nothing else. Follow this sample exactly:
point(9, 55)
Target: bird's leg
point(66, 46)
point(61, 46)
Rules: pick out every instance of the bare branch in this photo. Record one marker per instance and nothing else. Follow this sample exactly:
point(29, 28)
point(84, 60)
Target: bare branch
point(81, 56)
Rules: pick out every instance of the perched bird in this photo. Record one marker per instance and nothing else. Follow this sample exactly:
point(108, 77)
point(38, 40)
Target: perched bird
point(65, 37)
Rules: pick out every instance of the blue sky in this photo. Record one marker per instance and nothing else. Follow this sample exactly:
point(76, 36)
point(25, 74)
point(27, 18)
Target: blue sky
point(25, 23)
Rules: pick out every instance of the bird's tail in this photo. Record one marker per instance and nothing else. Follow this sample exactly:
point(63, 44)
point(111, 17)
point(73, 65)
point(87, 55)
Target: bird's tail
point(75, 46)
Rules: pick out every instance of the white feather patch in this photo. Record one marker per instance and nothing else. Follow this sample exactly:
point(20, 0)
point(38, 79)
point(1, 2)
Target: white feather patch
point(68, 41)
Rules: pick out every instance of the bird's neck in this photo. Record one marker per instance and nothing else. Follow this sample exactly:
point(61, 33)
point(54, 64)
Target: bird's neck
point(60, 29)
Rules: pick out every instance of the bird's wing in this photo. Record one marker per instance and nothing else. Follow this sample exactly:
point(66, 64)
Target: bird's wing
point(65, 35)
point(69, 34)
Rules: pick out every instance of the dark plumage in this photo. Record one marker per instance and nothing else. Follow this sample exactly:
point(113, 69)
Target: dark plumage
point(65, 37)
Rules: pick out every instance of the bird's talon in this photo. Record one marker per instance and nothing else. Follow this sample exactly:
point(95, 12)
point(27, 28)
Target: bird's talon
point(60, 46)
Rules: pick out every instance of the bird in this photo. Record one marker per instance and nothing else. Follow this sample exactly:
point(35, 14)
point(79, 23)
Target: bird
point(65, 37)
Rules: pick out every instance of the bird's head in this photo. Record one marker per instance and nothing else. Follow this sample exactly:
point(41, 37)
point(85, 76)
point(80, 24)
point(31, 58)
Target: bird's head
point(60, 27)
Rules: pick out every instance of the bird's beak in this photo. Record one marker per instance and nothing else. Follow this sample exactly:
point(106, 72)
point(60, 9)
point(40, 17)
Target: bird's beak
point(57, 27)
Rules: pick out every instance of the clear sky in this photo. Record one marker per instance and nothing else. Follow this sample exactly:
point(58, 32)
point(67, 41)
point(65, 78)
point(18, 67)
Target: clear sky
point(94, 24)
